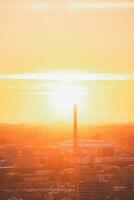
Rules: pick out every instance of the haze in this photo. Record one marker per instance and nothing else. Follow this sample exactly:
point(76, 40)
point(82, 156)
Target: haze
point(66, 36)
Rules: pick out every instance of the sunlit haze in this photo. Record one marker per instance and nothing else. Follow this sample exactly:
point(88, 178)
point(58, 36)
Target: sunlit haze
point(58, 52)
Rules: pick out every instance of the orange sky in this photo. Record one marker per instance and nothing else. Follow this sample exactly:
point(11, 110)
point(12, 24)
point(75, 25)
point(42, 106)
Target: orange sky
point(66, 35)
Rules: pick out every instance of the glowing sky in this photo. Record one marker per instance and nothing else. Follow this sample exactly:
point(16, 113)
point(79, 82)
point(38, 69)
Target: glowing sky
point(92, 38)
point(44, 35)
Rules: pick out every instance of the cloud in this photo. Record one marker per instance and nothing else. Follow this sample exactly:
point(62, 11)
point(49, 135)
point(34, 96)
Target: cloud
point(39, 6)
point(68, 77)
point(64, 5)
point(23, 6)
point(77, 5)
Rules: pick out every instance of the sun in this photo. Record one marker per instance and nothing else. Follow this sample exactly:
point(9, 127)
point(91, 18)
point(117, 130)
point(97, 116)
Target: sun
point(65, 95)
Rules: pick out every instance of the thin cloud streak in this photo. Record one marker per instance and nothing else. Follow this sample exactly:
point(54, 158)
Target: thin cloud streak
point(101, 5)
point(69, 77)
point(9, 7)
point(70, 6)
point(39, 6)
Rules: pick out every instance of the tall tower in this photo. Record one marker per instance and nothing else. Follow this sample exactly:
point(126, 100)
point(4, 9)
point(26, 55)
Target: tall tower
point(75, 147)
point(75, 131)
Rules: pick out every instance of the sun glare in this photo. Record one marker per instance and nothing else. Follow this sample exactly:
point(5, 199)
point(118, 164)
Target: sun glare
point(66, 95)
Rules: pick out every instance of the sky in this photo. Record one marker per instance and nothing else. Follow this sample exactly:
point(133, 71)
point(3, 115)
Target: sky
point(94, 39)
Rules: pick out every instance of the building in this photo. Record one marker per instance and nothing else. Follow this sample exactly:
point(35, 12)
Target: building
point(93, 189)
point(97, 151)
